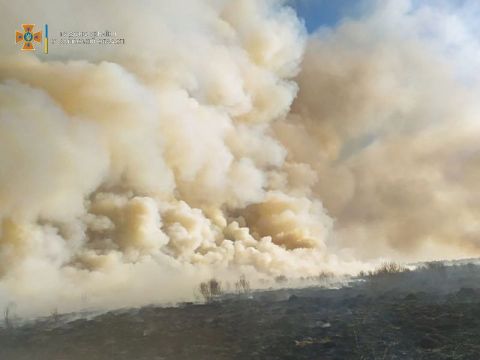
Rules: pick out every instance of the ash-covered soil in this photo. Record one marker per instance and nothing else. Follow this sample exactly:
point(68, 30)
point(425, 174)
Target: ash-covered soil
point(431, 313)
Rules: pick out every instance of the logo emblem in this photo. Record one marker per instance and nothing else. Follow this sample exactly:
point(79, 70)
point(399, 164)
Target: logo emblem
point(28, 37)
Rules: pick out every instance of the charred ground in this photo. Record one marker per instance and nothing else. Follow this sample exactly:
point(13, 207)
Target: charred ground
point(430, 313)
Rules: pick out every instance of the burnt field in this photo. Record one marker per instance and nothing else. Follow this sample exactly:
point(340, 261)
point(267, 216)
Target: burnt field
point(430, 313)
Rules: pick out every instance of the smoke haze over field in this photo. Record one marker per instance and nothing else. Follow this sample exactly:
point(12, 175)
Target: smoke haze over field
point(222, 139)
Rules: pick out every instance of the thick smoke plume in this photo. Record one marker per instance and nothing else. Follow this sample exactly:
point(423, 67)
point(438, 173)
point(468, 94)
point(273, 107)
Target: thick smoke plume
point(222, 139)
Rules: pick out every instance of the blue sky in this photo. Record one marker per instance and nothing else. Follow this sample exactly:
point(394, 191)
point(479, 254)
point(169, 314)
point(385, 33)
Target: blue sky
point(318, 13)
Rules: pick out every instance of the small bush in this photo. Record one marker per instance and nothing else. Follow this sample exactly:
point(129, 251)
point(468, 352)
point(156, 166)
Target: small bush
point(8, 316)
point(325, 276)
point(436, 266)
point(210, 289)
point(387, 268)
point(242, 285)
point(54, 315)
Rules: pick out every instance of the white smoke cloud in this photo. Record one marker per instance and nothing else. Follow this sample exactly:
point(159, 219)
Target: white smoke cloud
point(130, 174)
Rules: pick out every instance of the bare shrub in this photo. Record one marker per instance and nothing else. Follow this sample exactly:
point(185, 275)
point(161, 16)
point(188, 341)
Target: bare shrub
point(54, 315)
point(325, 276)
point(435, 266)
point(8, 316)
point(210, 289)
point(242, 285)
point(388, 268)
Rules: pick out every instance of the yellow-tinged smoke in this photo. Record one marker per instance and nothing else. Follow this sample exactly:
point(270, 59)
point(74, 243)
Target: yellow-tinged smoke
point(129, 174)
